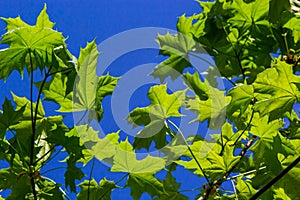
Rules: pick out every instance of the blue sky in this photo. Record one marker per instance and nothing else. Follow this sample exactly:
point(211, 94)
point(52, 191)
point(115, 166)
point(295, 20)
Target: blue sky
point(82, 21)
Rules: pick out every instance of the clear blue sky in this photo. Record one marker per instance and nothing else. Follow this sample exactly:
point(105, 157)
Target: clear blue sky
point(82, 21)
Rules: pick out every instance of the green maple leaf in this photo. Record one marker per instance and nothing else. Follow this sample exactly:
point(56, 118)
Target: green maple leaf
point(93, 190)
point(195, 84)
point(171, 187)
point(125, 161)
point(177, 48)
point(86, 84)
point(104, 148)
point(276, 90)
point(140, 183)
point(72, 173)
point(241, 97)
point(212, 109)
point(90, 89)
point(24, 40)
point(154, 117)
point(276, 9)
point(106, 85)
point(200, 149)
point(249, 14)
point(269, 143)
point(49, 191)
point(56, 91)
point(245, 189)
point(221, 164)
point(279, 193)
point(293, 24)
point(264, 129)
point(9, 116)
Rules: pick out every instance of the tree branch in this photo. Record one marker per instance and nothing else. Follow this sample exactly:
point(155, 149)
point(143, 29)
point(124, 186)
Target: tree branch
point(277, 178)
point(219, 182)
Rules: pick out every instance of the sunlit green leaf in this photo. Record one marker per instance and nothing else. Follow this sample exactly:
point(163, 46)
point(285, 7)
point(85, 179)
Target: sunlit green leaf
point(212, 109)
point(276, 90)
point(106, 85)
point(177, 48)
point(125, 161)
point(144, 182)
point(245, 189)
point(91, 189)
point(241, 96)
point(9, 116)
point(280, 194)
point(221, 164)
point(27, 41)
point(154, 116)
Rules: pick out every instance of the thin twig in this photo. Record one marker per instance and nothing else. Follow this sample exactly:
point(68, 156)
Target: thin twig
point(220, 181)
point(51, 149)
point(49, 170)
point(61, 71)
point(242, 154)
point(233, 186)
point(230, 81)
point(248, 125)
point(46, 161)
point(236, 55)
point(190, 190)
point(246, 173)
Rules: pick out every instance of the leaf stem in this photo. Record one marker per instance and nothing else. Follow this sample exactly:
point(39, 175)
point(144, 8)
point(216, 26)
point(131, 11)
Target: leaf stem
point(32, 126)
point(31, 109)
point(200, 58)
point(220, 181)
point(242, 154)
point(246, 173)
point(82, 117)
point(233, 186)
point(190, 190)
point(18, 142)
point(236, 55)
point(46, 161)
point(190, 150)
point(51, 149)
point(277, 178)
point(248, 125)
point(49, 170)
point(61, 71)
